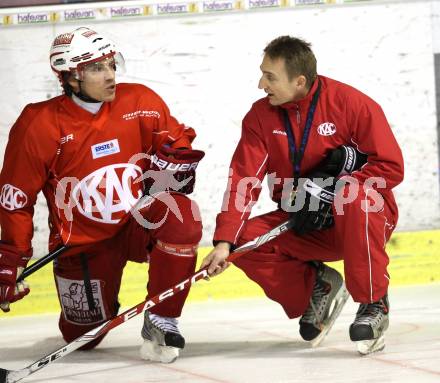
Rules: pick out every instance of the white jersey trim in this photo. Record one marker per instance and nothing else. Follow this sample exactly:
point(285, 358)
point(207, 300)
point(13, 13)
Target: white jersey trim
point(91, 107)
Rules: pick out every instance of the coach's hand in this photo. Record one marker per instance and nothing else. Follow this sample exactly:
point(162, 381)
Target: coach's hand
point(216, 259)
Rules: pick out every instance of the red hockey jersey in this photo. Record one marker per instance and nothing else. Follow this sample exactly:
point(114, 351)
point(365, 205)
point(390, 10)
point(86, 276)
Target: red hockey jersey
point(83, 163)
point(344, 116)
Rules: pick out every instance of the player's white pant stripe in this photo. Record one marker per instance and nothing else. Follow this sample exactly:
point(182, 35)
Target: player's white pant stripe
point(368, 245)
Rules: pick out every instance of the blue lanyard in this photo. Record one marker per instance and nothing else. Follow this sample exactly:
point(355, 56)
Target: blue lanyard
point(297, 156)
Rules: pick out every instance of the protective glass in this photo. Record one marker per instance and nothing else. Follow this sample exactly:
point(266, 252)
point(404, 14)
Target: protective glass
point(96, 70)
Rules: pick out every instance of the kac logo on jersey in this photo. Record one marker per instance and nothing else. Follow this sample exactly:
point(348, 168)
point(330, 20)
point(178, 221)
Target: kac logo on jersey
point(105, 148)
point(327, 129)
point(108, 194)
point(12, 198)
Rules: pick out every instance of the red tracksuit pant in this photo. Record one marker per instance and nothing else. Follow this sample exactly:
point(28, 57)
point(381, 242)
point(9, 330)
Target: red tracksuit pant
point(88, 279)
point(281, 266)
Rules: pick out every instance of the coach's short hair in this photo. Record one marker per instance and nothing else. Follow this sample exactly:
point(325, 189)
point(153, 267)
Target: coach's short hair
point(298, 55)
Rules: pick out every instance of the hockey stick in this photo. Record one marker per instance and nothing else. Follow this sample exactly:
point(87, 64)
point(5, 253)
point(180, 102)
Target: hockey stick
point(41, 262)
point(12, 376)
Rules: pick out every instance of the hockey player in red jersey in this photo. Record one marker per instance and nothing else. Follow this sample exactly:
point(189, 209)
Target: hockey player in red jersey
point(115, 168)
point(311, 136)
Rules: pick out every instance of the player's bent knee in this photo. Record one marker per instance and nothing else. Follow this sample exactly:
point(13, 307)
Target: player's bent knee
point(184, 224)
point(70, 332)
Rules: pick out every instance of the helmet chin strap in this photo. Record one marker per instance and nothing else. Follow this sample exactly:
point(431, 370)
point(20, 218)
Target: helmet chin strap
point(83, 96)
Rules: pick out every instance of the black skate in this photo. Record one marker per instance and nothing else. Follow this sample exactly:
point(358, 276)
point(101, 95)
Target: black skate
point(369, 327)
point(318, 319)
point(162, 339)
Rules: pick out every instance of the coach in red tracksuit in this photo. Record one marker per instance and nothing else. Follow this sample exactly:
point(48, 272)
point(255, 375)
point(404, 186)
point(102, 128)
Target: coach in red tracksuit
point(357, 234)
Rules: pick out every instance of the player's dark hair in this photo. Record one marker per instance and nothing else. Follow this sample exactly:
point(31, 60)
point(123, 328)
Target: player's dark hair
point(68, 90)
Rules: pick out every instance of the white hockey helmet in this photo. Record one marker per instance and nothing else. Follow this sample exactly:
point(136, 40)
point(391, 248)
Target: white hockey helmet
point(71, 52)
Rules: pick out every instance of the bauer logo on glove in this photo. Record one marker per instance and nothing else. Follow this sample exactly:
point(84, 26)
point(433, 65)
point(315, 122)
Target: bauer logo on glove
point(318, 191)
point(165, 164)
point(173, 170)
point(312, 208)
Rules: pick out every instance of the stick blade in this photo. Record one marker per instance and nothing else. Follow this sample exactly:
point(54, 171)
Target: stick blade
point(4, 375)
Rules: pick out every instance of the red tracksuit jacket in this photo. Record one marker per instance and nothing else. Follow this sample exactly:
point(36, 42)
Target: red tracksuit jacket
point(344, 116)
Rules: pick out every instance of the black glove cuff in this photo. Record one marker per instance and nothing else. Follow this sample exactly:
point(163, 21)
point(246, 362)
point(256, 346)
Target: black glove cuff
point(232, 248)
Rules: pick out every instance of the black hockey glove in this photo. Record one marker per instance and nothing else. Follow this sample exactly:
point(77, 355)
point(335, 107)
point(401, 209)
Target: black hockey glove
point(316, 213)
point(342, 160)
point(314, 199)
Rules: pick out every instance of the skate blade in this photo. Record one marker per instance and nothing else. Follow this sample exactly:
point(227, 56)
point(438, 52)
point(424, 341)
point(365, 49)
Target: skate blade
point(338, 304)
point(366, 347)
point(154, 352)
